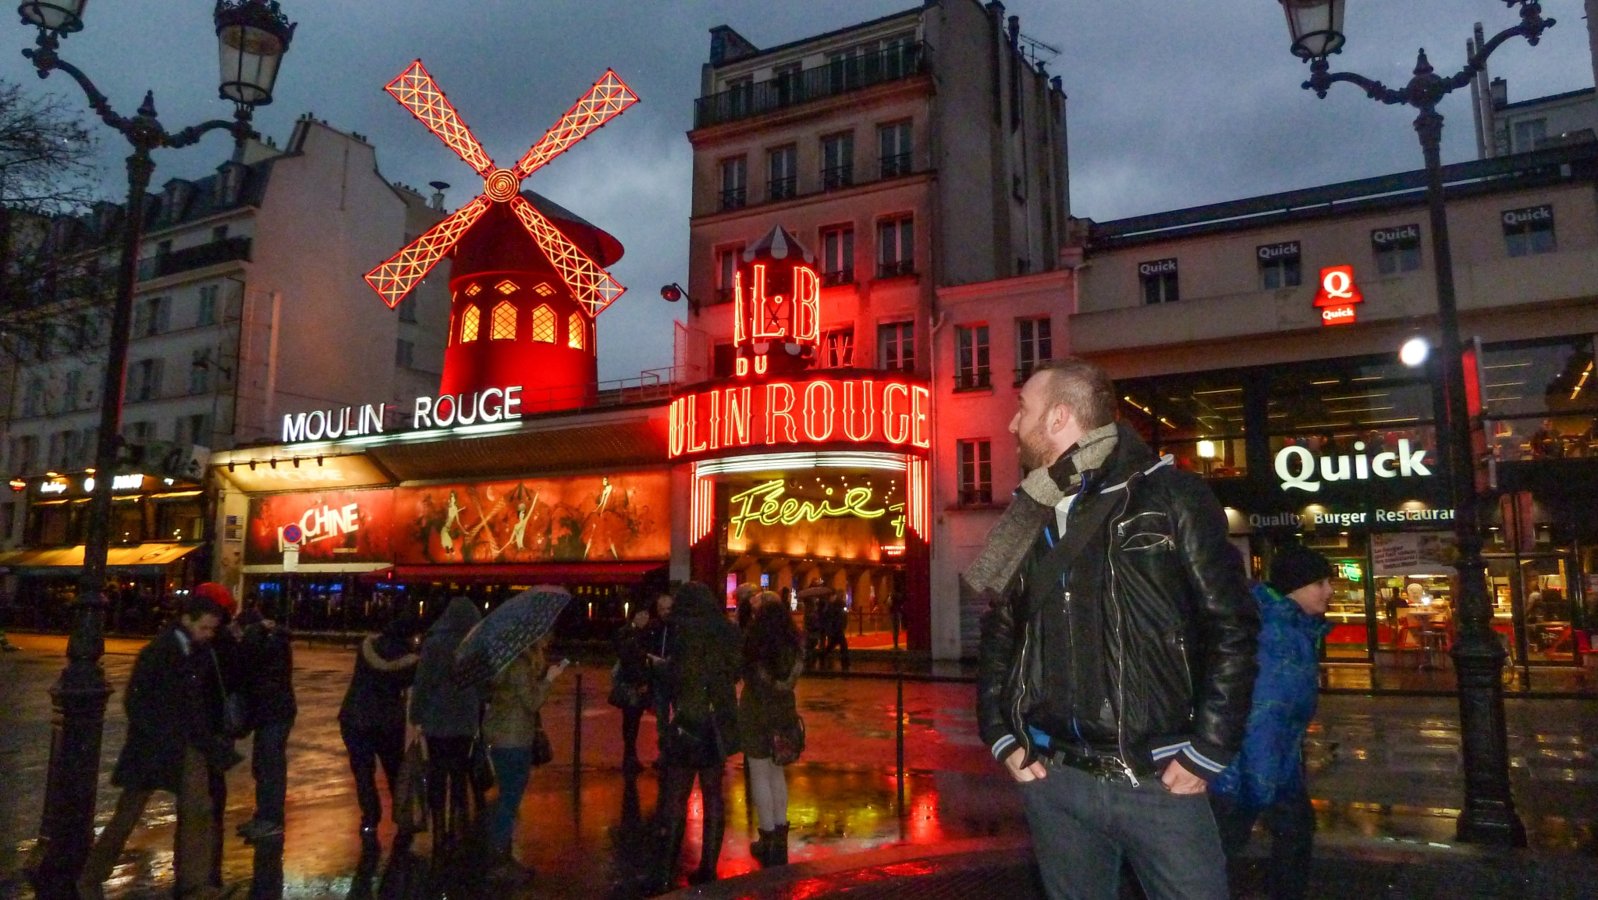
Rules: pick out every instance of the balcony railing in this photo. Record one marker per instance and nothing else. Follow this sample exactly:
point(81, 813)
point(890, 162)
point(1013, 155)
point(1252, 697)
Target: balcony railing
point(783, 188)
point(896, 268)
point(830, 80)
point(834, 177)
point(896, 165)
point(835, 278)
point(735, 198)
point(972, 379)
point(225, 250)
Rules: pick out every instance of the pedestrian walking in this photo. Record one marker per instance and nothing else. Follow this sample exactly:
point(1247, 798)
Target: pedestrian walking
point(703, 732)
point(510, 725)
point(744, 595)
point(371, 720)
point(1117, 653)
point(815, 620)
point(836, 624)
point(171, 746)
point(631, 692)
point(448, 715)
point(773, 657)
point(657, 644)
point(1267, 778)
point(266, 658)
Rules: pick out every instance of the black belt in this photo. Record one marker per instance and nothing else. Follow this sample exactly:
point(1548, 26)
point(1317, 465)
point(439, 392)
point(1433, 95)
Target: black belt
point(1104, 766)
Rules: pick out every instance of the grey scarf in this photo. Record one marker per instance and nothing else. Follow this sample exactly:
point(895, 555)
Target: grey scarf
point(1042, 489)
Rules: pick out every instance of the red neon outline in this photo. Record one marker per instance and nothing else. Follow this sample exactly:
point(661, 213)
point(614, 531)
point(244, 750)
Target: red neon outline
point(827, 408)
point(866, 389)
point(786, 412)
point(416, 90)
point(800, 413)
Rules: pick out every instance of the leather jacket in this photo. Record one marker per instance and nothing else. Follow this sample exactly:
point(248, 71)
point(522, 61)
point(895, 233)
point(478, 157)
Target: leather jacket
point(1179, 626)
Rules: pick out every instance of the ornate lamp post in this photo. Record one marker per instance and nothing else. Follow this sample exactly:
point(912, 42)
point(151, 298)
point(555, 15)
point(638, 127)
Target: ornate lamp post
point(252, 36)
point(1488, 815)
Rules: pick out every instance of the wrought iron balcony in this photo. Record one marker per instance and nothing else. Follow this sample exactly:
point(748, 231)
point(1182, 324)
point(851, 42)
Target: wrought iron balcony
point(837, 77)
point(209, 254)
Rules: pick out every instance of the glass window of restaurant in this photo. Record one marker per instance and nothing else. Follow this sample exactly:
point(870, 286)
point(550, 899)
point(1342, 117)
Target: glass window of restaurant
point(1198, 419)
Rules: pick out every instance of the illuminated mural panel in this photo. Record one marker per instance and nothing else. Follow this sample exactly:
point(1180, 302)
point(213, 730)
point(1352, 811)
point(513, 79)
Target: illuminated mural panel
point(336, 526)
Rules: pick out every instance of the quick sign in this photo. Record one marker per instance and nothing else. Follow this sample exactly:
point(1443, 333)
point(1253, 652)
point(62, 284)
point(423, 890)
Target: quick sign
point(800, 413)
point(1336, 519)
point(1300, 469)
point(1400, 234)
point(1516, 219)
point(1157, 267)
point(1338, 295)
point(1274, 252)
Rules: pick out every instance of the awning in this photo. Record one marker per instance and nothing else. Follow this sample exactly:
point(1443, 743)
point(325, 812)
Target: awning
point(527, 573)
point(136, 556)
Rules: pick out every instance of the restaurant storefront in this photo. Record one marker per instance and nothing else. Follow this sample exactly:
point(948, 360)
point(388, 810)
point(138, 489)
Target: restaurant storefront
point(1342, 455)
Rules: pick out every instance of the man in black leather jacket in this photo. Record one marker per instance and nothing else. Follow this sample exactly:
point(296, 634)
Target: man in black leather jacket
point(1117, 656)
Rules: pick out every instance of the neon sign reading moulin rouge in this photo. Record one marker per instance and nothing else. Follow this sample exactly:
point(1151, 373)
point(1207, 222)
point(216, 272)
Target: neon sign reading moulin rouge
point(819, 411)
point(765, 503)
point(444, 411)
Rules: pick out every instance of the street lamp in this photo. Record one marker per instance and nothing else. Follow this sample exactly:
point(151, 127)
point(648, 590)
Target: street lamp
point(1489, 813)
point(252, 36)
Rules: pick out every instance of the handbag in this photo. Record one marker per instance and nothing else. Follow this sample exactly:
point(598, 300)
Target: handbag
point(543, 751)
point(482, 773)
point(410, 791)
point(788, 742)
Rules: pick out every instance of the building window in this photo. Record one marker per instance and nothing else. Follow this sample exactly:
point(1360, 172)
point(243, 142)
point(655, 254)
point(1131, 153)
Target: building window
point(785, 80)
point(33, 397)
point(207, 314)
point(896, 346)
point(544, 325)
point(896, 244)
point(837, 350)
point(150, 317)
point(723, 360)
point(197, 429)
point(200, 371)
point(1159, 281)
point(1542, 398)
point(740, 94)
point(727, 271)
point(502, 323)
point(407, 308)
point(837, 255)
point(471, 320)
point(1397, 249)
point(971, 357)
point(1279, 265)
point(1199, 419)
point(976, 473)
point(145, 380)
point(1529, 231)
point(1529, 134)
point(1034, 343)
point(404, 353)
point(782, 179)
point(893, 148)
point(734, 182)
point(837, 160)
point(574, 332)
point(72, 396)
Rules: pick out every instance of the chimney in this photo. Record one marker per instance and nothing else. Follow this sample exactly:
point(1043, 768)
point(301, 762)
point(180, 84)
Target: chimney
point(1499, 89)
point(439, 187)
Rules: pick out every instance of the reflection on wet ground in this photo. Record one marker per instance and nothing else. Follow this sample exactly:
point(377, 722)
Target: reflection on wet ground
point(1385, 768)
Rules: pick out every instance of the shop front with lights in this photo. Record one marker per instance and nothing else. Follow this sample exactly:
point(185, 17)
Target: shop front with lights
point(1342, 456)
point(158, 550)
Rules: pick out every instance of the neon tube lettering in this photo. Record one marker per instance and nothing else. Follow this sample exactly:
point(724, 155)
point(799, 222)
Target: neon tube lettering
point(780, 409)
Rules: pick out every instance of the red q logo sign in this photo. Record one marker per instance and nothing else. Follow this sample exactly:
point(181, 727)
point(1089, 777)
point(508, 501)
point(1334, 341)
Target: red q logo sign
point(1338, 295)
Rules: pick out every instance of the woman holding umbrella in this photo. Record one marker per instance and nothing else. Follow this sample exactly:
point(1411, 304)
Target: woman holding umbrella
point(447, 711)
point(773, 659)
point(515, 697)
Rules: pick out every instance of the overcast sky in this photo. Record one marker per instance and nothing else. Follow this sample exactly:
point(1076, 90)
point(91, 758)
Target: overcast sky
point(1173, 103)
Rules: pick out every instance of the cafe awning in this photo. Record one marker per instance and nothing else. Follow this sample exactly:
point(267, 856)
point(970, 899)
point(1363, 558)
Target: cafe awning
point(526, 573)
point(136, 556)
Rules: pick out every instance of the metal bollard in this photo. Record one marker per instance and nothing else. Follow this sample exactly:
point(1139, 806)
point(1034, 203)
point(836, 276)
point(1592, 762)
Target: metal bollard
point(577, 732)
point(899, 730)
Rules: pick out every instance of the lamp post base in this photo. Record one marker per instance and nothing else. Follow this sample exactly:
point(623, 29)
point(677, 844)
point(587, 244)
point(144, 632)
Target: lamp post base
point(1489, 815)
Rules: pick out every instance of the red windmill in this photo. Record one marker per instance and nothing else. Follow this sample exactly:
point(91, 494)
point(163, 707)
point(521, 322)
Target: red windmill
point(530, 333)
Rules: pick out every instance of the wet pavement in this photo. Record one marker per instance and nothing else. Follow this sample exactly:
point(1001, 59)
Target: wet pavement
point(1385, 776)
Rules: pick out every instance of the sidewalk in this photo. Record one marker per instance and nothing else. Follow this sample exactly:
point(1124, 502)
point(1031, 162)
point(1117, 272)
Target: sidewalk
point(1343, 868)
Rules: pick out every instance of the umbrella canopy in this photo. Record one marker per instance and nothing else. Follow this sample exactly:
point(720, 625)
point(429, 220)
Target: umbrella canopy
point(507, 632)
point(815, 590)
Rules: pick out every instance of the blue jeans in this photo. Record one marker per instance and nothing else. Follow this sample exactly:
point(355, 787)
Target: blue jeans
point(1291, 823)
point(512, 767)
point(1083, 827)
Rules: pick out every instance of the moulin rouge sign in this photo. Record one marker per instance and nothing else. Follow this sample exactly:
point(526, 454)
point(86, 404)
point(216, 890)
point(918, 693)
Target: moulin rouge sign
point(774, 401)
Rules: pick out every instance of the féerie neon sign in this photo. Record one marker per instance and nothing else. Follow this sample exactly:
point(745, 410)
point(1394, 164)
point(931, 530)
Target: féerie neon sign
point(766, 504)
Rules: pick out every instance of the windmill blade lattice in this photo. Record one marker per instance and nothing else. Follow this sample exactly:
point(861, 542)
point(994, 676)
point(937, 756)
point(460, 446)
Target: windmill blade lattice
point(592, 287)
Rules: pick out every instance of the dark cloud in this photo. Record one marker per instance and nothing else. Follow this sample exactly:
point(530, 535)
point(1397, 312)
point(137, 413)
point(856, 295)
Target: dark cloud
point(1173, 103)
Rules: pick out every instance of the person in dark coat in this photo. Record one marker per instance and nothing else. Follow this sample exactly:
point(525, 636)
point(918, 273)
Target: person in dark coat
point(773, 657)
point(745, 598)
point(448, 715)
point(835, 622)
point(632, 671)
point(657, 648)
point(266, 666)
point(171, 746)
point(1267, 777)
point(222, 680)
point(703, 673)
point(371, 719)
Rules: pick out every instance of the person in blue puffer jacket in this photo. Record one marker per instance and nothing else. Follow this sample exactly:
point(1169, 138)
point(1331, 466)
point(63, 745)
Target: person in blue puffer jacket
point(1267, 778)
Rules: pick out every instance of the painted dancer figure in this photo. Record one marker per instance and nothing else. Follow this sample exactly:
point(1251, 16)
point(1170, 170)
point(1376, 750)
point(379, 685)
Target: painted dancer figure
point(1117, 654)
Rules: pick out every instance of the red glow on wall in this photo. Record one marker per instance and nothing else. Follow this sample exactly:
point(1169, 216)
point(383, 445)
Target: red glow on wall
point(793, 414)
point(416, 90)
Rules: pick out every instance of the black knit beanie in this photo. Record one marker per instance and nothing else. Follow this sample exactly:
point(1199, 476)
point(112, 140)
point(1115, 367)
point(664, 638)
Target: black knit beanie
point(1294, 566)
